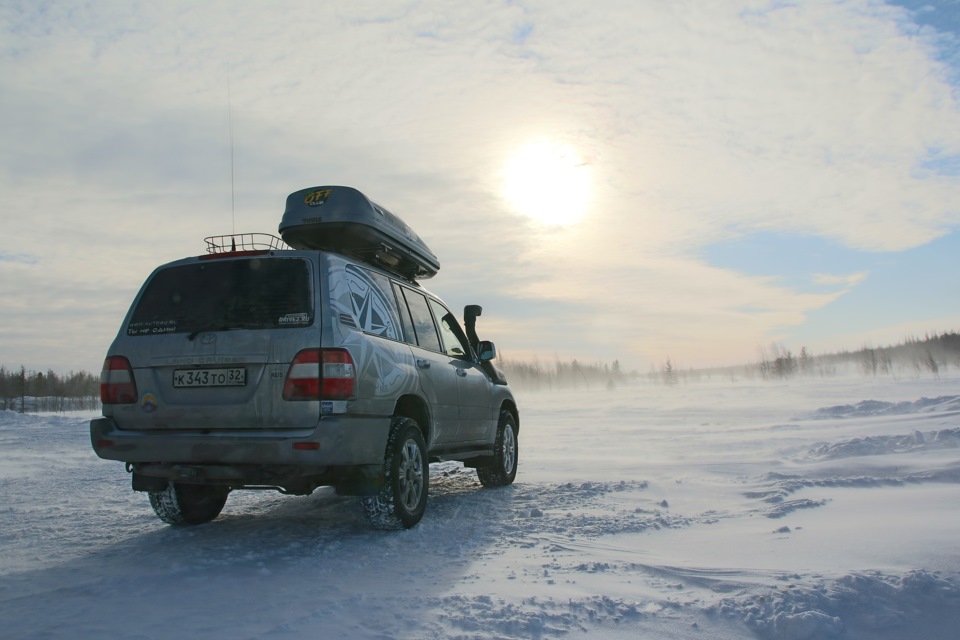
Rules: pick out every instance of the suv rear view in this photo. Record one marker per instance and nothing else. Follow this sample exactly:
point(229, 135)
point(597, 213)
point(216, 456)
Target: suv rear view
point(261, 365)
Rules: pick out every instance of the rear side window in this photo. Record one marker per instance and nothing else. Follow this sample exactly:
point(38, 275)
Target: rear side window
point(422, 321)
point(272, 293)
point(409, 334)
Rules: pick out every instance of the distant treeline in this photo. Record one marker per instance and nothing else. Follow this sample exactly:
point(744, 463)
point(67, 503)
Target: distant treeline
point(930, 355)
point(563, 375)
point(25, 390)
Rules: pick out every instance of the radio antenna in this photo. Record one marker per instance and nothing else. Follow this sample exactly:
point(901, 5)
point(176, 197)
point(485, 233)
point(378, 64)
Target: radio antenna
point(233, 205)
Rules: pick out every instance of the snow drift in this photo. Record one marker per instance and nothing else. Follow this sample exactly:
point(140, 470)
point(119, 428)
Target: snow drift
point(769, 510)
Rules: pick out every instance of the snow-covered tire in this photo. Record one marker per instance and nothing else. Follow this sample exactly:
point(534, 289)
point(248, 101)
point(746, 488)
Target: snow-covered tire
point(502, 469)
point(403, 499)
point(188, 503)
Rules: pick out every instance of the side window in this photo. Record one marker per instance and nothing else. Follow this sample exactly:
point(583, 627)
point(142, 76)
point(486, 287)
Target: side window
point(409, 335)
point(371, 299)
point(452, 344)
point(422, 320)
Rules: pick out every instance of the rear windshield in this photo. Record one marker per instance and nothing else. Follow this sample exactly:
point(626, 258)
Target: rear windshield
point(271, 293)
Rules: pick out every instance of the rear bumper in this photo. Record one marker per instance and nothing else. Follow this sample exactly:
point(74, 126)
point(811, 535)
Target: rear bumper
point(336, 441)
point(299, 480)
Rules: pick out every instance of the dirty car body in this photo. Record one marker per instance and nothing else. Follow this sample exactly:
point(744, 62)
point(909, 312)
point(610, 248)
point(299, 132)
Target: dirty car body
point(258, 365)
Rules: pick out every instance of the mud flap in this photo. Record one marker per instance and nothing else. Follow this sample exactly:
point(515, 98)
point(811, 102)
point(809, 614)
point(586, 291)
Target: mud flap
point(148, 483)
point(367, 480)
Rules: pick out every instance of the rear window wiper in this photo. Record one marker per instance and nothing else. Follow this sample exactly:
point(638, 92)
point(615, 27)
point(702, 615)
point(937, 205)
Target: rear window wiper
point(193, 334)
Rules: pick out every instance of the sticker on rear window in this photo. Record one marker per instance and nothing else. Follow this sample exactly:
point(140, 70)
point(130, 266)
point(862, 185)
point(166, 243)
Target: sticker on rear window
point(294, 318)
point(151, 327)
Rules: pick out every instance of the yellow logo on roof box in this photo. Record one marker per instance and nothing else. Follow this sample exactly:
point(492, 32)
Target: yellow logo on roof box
point(317, 198)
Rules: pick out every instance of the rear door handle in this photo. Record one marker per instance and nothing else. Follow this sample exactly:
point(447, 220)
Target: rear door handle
point(423, 364)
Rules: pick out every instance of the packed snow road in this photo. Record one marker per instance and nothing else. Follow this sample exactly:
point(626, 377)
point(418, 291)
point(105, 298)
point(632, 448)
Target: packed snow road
point(813, 509)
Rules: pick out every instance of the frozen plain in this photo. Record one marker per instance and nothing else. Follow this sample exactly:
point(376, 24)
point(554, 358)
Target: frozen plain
point(815, 508)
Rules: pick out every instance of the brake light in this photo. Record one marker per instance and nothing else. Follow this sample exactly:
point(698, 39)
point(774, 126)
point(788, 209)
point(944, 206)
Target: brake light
point(117, 385)
point(320, 374)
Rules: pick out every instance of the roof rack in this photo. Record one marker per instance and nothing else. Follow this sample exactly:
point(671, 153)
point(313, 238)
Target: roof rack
point(244, 242)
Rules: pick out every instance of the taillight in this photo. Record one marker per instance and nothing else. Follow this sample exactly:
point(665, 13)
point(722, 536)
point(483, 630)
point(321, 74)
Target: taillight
point(303, 377)
point(339, 379)
point(320, 374)
point(117, 385)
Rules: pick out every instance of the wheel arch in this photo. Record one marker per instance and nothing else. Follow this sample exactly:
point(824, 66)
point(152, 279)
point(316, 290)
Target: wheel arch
point(511, 407)
point(415, 407)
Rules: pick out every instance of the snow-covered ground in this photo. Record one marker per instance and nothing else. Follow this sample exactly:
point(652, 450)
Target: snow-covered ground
point(808, 509)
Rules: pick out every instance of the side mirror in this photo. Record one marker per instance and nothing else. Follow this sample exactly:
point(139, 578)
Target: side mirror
point(486, 351)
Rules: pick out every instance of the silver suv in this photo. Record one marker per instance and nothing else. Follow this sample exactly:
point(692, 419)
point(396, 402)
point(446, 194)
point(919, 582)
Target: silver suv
point(313, 361)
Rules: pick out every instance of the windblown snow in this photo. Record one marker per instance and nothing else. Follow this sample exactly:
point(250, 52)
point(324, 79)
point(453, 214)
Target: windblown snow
point(809, 509)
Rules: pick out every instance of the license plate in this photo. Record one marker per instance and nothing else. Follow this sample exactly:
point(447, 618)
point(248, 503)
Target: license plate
point(234, 377)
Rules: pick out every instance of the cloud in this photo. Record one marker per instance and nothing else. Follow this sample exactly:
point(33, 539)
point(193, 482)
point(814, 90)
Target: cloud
point(846, 281)
point(699, 121)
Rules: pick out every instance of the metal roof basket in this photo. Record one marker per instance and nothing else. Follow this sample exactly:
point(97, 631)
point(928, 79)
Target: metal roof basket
point(244, 242)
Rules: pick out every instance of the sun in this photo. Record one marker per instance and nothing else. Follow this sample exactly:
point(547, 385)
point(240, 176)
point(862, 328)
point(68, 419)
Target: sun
point(548, 182)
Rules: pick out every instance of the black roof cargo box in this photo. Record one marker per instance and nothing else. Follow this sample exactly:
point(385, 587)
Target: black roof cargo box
point(343, 220)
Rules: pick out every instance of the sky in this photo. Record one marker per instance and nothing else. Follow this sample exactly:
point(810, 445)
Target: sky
point(631, 180)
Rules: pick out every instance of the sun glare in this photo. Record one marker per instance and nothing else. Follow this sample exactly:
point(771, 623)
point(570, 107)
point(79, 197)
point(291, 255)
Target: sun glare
point(548, 182)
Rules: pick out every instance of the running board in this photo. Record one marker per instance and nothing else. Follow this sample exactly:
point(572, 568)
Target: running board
point(460, 454)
